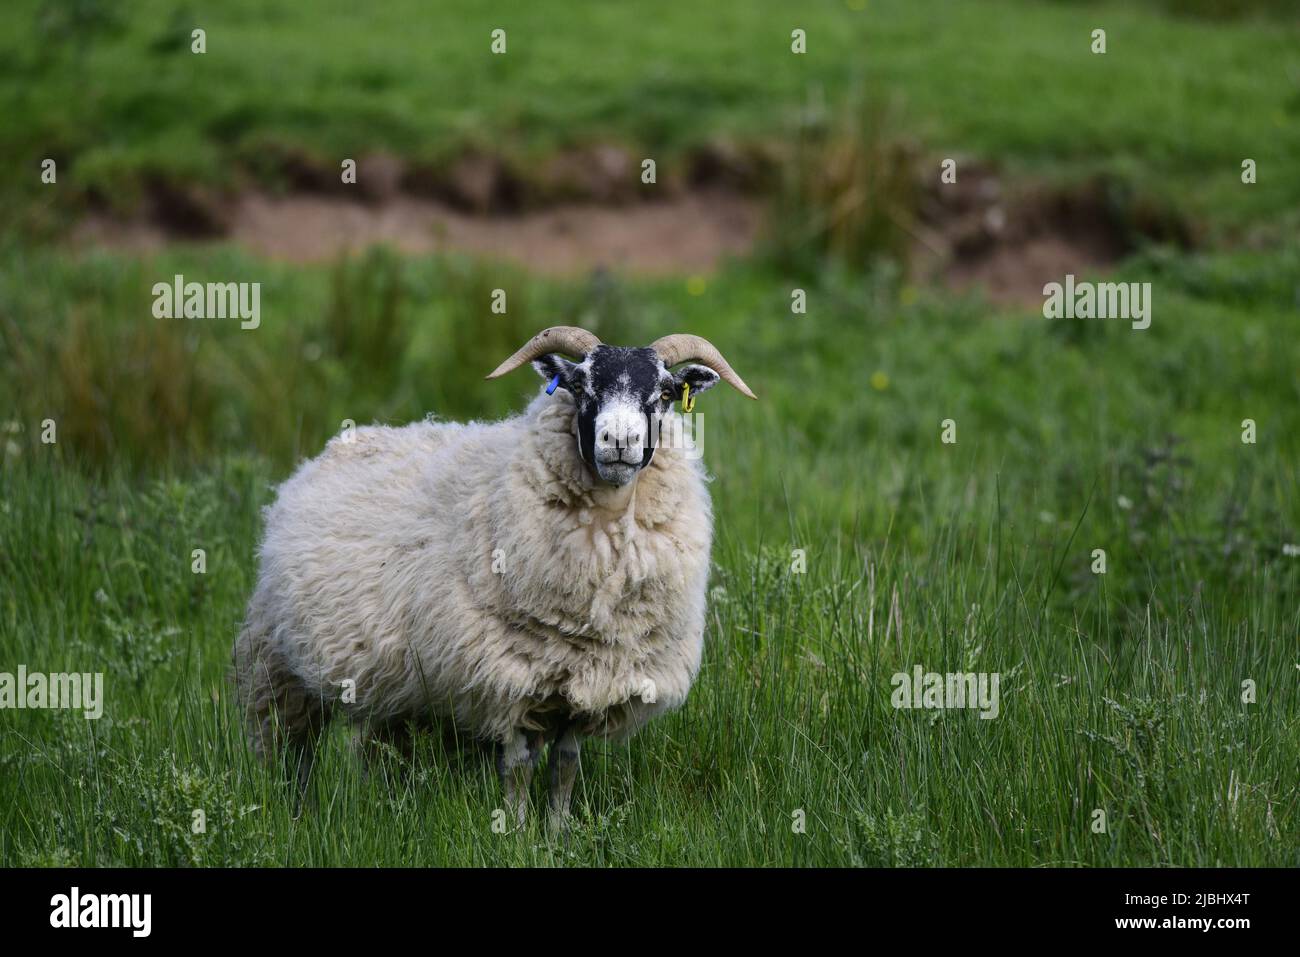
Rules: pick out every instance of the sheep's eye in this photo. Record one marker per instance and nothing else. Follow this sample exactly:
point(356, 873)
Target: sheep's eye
point(666, 395)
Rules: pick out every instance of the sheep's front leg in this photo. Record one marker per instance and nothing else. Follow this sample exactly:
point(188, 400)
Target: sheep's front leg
point(515, 762)
point(563, 772)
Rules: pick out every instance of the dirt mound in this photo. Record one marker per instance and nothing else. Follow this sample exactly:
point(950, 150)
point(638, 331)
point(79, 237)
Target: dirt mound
point(692, 233)
point(586, 208)
point(975, 233)
point(580, 209)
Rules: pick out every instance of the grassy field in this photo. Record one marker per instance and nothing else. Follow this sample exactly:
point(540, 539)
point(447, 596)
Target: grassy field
point(1120, 692)
point(1174, 105)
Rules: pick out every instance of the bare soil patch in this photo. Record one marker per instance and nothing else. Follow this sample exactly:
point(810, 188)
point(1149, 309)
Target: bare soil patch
point(578, 210)
point(975, 234)
point(585, 208)
point(687, 234)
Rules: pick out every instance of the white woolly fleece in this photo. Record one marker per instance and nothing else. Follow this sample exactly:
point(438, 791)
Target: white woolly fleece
point(378, 566)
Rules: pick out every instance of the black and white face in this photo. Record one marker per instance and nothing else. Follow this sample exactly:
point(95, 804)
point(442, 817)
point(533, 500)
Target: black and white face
point(619, 393)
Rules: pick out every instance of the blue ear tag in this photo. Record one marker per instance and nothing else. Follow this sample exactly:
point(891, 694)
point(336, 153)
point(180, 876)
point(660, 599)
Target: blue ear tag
point(550, 389)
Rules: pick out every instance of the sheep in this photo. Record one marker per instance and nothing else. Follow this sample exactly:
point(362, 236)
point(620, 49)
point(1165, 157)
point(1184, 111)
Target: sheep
point(536, 580)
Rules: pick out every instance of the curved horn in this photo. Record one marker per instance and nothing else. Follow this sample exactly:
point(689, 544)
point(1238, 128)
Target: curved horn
point(569, 340)
point(682, 346)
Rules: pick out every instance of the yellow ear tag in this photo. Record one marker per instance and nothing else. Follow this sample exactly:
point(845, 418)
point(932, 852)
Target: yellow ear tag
point(688, 404)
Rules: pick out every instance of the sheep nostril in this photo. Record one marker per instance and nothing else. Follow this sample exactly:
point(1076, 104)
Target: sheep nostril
point(604, 437)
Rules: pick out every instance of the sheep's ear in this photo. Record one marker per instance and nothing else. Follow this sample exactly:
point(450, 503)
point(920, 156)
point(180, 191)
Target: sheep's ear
point(700, 379)
point(551, 365)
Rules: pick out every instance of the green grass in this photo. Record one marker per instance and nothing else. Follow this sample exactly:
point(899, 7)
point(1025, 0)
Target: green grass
point(1119, 692)
point(1174, 105)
